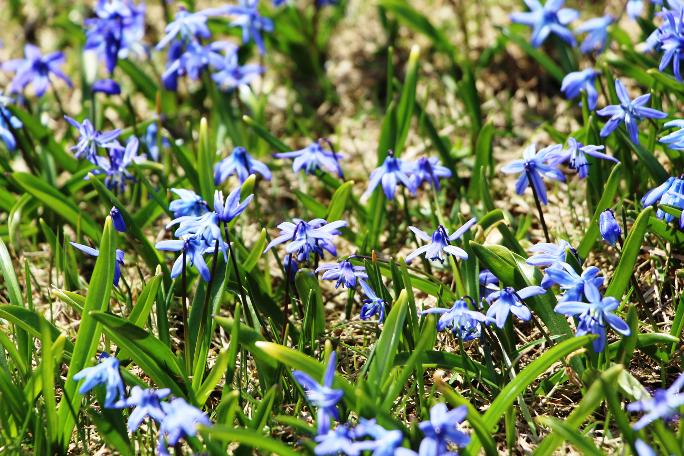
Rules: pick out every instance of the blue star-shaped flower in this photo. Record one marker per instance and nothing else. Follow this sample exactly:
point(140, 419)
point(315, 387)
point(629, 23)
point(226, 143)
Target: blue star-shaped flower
point(573, 83)
point(575, 156)
point(35, 69)
point(240, 163)
point(440, 243)
point(547, 19)
point(147, 402)
point(106, 372)
point(507, 300)
point(532, 167)
point(597, 33)
point(574, 285)
point(664, 404)
point(180, 420)
point(462, 321)
point(118, 262)
point(372, 304)
point(392, 172)
point(442, 430)
point(344, 272)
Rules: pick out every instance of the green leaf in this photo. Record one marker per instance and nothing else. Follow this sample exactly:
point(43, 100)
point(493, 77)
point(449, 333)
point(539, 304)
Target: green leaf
point(277, 144)
point(483, 156)
point(254, 439)
point(143, 305)
point(407, 100)
point(214, 376)
point(581, 442)
point(542, 59)
point(312, 299)
point(338, 203)
point(205, 162)
point(658, 173)
point(388, 342)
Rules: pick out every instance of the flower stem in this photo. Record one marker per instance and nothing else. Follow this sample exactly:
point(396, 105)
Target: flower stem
point(207, 297)
point(539, 207)
point(243, 298)
point(184, 309)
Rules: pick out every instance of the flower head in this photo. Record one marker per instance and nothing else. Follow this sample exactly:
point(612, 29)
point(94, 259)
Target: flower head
point(671, 42)
point(462, 321)
point(344, 272)
point(322, 395)
point(106, 86)
point(575, 82)
point(609, 227)
point(232, 207)
point(575, 156)
point(574, 285)
point(664, 404)
point(597, 33)
point(548, 254)
point(439, 243)
point(674, 140)
point(230, 75)
point(507, 300)
point(152, 142)
point(392, 172)
point(106, 372)
point(442, 429)
point(90, 139)
point(628, 111)
point(532, 167)
point(489, 283)
point(372, 304)
point(147, 402)
point(189, 203)
point(185, 27)
point(429, 169)
point(312, 158)
point(671, 193)
point(180, 420)
point(115, 167)
point(384, 442)
point(252, 23)
point(547, 19)
point(118, 262)
point(9, 124)
point(240, 163)
point(117, 220)
point(306, 238)
point(35, 69)
point(193, 249)
point(334, 442)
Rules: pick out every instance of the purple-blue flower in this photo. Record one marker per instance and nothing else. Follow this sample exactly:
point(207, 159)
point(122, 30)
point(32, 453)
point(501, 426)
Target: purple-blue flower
point(312, 158)
point(186, 26)
point(195, 59)
point(429, 169)
point(609, 227)
point(671, 42)
point(106, 372)
point(548, 254)
point(575, 82)
point(117, 220)
point(393, 171)
point(439, 243)
point(344, 272)
point(594, 317)
point(181, 420)
point(232, 207)
point(671, 193)
point(532, 167)
point(304, 238)
point(230, 75)
point(372, 304)
point(574, 285)
point(189, 203)
point(664, 404)
point(152, 142)
point(9, 123)
point(147, 402)
point(106, 86)
point(547, 19)
point(118, 261)
point(674, 140)
point(508, 300)
point(240, 163)
point(35, 69)
point(462, 321)
point(628, 111)
point(90, 139)
point(575, 156)
point(441, 430)
point(115, 166)
point(597, 33)
point(489, 283)
point(194, 249)
point(383, 442)
point(334, 442)
point(322, 395)
point(252, 23)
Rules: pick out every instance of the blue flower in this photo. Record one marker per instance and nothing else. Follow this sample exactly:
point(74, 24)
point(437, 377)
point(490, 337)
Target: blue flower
point(117, 220)
point(548, 254)
point(575, 82)
point(628, 111)
point(634, 8)
point(489, 283)
point(664, 404)
point(597, 33)
point(442, 430)
point(372, 304)
point(672, 42)
point(462, 321)
point(146, 402)
point(35, 69)
point(252, 23)
point(194, 249)
point(344, 272)
point(609, 227)
point(189, 203)
point(334, 442)
point(547, 19)
point(205, 227)
point(151, 140)
point(106, 86)
point(9, 123)
point(195, 59)
point(312, 158)
point(674, 140)
point(384, 442)
point(440, 243)
point(507, 300)
point(671, 193)
point(533, 167)
point(574, 285)
point(185, 27)
point(118, 261)
point(115, 167)
point(230, 75)
point(322, 395)
point(594, 317)
point(240, 163)
point(106, 372)
point(576, 154)
point(232, 207)
point(390, 173)
point(117, 30)
point(90, 139)
point(181, 420)
point(429, 170)
point(305, 238)
point(642, 449)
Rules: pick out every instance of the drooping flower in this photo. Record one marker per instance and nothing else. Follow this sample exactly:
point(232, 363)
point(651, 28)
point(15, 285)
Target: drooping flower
point(664, 404)
point(118, 262)
point(333, 442)
point(547, 19)
point(548, 254)
point(117, 220)
point(185, 27)
point(575, 156)
point(147, 402)
point(230, 75)
point(180, 420)
point(306, 238)
point(240, 163)
point(642, 448)
point(672, 42)
point(533, 167)
point(252, 23)
point(393, 171)
point(489, 283)
point(344, 272)
point(153, 143)
point(90, 139)
point(597, 33)
point(106, 372)
point(194, 249)
point(508, 300)
point(674, 140)
point(384, 442)
point(429, 169)
point(322, 395)
point(629, 112)
point(609, 227)
point(9, 124)
point(312, 158)
point(189, 203)
point(440, 243)
point(232, 207)
point(195, 59)
point(575, 82)
point(35, 69)
point(106, 86)
point(671, 193)
point(442, 430)
point(372, 304)
point(573, 284)
point(205, 227)
point(115, 166)
point(594, 317)
point(462, 321)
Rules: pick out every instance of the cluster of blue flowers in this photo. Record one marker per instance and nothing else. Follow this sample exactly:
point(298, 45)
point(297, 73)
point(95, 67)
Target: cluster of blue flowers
point(175, 418)
point(439, 432)
point(412, 175)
